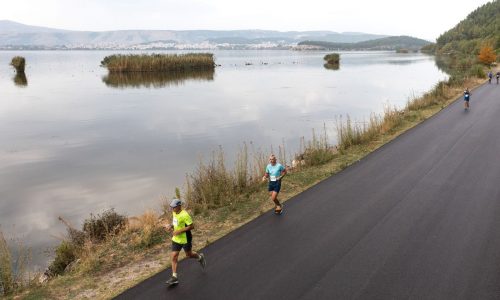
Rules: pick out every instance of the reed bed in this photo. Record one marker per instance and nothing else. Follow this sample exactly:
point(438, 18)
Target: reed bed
point(159, 62)
point(19, 63)
point(332, 66)
point(20, 79)
point(155, 79)
point(332, 58)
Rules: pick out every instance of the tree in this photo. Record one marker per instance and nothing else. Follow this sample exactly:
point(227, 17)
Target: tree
point(487, 55)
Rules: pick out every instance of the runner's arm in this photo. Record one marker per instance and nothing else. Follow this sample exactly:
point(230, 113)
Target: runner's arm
point(283, 173)
point(187, 228)
point(266, 175)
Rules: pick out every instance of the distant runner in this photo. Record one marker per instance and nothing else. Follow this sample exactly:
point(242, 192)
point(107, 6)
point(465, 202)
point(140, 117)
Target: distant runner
point(466, 98)
point(182, 224)
point(498, 76)
point(274, 173)
point(490, 76)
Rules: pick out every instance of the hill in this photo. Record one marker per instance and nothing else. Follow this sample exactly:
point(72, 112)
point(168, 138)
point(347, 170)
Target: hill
point(480, 26)
point(17, 34)
point(387, 43)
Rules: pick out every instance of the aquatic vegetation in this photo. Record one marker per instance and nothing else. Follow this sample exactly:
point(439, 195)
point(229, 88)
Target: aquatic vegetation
point(158, 62)
point(155, 79)
point(19, 63)
point(20, 79)
point(332, 58)
point(332, 66)
point(332, 61)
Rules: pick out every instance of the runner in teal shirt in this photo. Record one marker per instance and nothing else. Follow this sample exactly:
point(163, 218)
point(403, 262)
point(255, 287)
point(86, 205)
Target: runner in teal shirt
point(274, 173)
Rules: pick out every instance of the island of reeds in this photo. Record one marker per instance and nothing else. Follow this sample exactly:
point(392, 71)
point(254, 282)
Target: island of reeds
point(159, 62)
point(332, 61)
point(19, 63)
point(332, 58)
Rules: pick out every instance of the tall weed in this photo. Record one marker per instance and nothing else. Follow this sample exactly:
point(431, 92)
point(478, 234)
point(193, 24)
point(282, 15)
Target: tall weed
point(13, 266)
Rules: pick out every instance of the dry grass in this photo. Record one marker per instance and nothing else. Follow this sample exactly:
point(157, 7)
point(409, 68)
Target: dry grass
point(350, 133)
point(159, 62)
point(317, 151)
point(213, 185)
point(13, 267)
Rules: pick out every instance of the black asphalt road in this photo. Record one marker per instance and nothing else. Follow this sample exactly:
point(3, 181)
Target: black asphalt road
point(417, 219)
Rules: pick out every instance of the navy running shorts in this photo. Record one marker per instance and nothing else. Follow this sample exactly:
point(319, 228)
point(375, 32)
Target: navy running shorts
point(274, 186)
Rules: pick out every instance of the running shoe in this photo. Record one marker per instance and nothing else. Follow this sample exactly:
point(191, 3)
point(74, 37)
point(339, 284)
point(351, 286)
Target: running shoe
point(202, 260)
point(173, 280)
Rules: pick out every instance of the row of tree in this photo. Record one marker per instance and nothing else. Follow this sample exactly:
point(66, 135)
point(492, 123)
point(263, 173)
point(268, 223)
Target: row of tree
point(477, 35)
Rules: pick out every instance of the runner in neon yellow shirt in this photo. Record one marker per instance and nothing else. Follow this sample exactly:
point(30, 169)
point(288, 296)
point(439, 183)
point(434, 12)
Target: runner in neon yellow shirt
point(182, 224)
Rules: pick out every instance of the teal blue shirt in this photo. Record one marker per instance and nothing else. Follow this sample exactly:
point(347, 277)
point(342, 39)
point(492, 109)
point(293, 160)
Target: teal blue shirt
point(274, 171)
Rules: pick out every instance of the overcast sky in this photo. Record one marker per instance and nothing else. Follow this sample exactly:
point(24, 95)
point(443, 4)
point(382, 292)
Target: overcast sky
point(424, 18)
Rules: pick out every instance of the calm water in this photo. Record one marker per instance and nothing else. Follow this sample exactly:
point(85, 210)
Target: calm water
point(74, 140)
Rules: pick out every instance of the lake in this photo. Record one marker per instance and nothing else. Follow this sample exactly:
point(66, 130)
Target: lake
point(75, 141)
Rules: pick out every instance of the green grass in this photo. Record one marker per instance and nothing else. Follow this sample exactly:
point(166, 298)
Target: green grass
point(159, 62)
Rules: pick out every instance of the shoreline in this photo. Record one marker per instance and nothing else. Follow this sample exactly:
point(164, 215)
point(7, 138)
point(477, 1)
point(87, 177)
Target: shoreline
point(215, 224)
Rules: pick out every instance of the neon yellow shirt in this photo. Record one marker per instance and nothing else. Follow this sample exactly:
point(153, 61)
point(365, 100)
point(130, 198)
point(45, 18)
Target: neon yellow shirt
point(181, 220)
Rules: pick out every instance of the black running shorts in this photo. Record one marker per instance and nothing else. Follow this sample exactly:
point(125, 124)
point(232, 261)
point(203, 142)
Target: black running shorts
point(177, 247)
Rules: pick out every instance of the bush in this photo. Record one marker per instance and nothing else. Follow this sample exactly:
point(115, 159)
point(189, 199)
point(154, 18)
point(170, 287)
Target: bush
point(149, 230)
point(65, 254)
point(476, 71)
point(98, 228)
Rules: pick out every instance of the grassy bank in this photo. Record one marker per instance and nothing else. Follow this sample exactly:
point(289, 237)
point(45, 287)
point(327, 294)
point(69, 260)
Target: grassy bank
point(221, 199)
point(159, 62)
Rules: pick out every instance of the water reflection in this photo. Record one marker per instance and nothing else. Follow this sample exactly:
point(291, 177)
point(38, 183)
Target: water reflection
point(155, 79)
point(402, 61)
point(332, 66)
point(445, 63)
point(20, 79)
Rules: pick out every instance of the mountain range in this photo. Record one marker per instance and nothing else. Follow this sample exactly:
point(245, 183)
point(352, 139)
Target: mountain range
point(16, 35)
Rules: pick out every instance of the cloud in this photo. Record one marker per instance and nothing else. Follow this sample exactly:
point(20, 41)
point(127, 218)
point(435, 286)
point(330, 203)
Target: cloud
point(423, 19)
